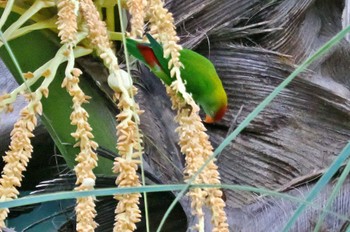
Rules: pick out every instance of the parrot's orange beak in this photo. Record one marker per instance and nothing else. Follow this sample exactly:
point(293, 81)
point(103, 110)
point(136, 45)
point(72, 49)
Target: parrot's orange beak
point(208, 119)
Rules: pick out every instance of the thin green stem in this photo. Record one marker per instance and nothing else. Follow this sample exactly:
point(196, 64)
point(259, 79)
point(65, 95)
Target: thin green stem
point(45, 24)
point(331, 198)
point(116, 36)
point(13, 58)
point(6, 12)
point(110, 17)
point(40, 198)
point(20, 10)
point(37, 6)
point(51, 65)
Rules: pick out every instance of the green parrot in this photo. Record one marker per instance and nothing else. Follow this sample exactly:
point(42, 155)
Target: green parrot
point(198, 74)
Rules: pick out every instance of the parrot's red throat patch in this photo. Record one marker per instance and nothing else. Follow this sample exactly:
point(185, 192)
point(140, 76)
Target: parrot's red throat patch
point(148, 55)
point(220, 114)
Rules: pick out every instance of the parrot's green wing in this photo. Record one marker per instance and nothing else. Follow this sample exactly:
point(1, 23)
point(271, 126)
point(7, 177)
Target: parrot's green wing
point(146, 54)
point(159, 53)
point(132, 46)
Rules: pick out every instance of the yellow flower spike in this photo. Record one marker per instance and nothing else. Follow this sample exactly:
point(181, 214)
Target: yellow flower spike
point(130, 150)
point(129, 139)
point(67, 20)
point(162, 27)
point(137, 10)
point(197, 150)
point(194, 142)
point(98, 34)
point(19, 153)
point(87, 158)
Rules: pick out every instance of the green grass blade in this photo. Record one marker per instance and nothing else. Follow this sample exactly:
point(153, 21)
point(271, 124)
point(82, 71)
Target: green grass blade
point(348, 228)
point(345, 153)
point(12, 56)
point(28, 200)
point(40, 198)
point(331, 198)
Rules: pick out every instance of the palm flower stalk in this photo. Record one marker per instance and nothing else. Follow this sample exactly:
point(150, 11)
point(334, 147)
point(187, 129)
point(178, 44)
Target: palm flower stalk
point(130, 151)
point(129, 139)
point(193, 140)
point(195, 145)
point(19, 154)
point(20, 150)
point(137, 10)
point(87, 158)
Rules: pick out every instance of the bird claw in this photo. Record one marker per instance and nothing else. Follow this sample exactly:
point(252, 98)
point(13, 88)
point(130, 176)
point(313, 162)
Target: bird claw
point(187, 107)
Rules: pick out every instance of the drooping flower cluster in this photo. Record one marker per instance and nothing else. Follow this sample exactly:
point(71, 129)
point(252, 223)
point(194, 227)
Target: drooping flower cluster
point(129, 138)
point(18, 156)
point(98, 35)
point(137, 10)
point(67, 20)
point(194, 142)
point(163, 28)
point(87, 158)
point(130, 150)
point(19, 153)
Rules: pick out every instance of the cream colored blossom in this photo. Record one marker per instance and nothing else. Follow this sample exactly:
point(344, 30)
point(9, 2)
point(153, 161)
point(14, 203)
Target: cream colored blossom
point(130, 151)
point(194, 143)
point(163, 28)
point(67, 20)
point(98, 35)
point(19, 154)
point(87, 158)
point(3, 106)
point(129, 140)
point(127, 211)
point(85, 209)
point(137, 10)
